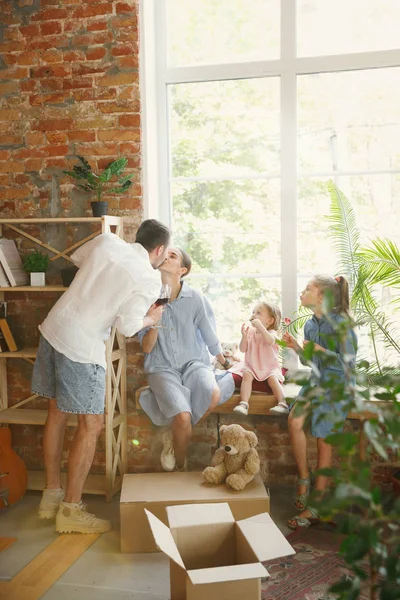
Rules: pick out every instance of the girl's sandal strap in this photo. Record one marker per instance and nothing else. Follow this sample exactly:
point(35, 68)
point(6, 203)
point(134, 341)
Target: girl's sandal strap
point(300, 522)
point(314, 514)
point(306, 481)
point(304, 521)
point(245, 404)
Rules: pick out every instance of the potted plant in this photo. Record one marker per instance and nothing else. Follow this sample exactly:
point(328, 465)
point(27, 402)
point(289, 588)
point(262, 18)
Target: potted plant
point(36, 263)
point(97, 184)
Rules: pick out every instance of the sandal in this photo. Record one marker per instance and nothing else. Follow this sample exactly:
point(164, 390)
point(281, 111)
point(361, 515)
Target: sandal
point(300, 500)
point(242, 408)
point(298, 521)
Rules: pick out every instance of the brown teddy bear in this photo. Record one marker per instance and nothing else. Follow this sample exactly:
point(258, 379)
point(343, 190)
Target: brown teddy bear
point(237, 461)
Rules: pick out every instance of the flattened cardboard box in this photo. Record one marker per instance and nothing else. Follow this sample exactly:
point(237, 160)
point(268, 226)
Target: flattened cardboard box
point(156, 491)
point(214, 557)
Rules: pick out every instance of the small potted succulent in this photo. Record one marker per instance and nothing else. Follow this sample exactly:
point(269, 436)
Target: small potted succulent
point(89, 181)
point(36, 263)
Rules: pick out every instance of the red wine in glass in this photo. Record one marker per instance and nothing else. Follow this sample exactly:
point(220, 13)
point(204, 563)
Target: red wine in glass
point(161, 301)
point(165, 295)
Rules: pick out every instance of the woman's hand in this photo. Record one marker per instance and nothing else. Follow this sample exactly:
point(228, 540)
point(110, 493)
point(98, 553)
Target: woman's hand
point(317, 347)
point(155, 313)
point(225, 362)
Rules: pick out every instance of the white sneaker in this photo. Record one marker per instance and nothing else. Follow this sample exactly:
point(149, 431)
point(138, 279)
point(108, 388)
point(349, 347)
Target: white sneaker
point(281, 408)
point(50, 503)
point(182, 469)
point(74, 518)
point(168, 461)
point(242, 408)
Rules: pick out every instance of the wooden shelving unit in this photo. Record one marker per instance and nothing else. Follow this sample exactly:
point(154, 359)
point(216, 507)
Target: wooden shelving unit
point(115, 405)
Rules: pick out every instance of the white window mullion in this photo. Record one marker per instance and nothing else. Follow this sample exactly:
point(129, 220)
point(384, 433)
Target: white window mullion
point(161, 116)
point(288, 158)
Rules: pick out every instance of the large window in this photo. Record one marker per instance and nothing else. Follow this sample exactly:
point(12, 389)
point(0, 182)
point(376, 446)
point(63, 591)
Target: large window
point(250, 108)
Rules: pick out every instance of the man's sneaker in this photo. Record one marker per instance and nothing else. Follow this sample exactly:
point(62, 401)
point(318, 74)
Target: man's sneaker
point(168, 461)
point(74, 518)
point(242, 408)
point(281, 408)
point(50, 503)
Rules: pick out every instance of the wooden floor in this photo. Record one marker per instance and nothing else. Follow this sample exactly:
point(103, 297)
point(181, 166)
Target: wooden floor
point(43, 571)
point(6, 542)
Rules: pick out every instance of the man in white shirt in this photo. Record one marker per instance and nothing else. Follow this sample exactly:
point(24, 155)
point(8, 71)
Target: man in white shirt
point(116, 284)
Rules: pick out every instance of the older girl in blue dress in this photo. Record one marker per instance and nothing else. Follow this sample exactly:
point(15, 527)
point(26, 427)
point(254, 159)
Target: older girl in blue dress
point(319, 329)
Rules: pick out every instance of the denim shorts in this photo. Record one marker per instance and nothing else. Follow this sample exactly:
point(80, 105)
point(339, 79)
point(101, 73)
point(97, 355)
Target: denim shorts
point(78, 388)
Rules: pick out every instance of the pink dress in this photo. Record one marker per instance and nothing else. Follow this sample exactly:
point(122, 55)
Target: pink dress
point(260, 358)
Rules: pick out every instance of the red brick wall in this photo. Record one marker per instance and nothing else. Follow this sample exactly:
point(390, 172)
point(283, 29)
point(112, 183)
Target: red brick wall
point(68, 85)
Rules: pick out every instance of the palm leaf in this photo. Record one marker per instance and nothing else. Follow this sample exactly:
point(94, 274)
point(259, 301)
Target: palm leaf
point(297, 322)
point(344, 233)
point(382, 262)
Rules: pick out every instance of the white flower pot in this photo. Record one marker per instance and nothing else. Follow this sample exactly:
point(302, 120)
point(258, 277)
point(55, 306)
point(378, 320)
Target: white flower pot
point(38, 279)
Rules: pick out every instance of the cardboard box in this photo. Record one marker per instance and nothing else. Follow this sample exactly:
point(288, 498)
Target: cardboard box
point(156, 491)
point(214, 557)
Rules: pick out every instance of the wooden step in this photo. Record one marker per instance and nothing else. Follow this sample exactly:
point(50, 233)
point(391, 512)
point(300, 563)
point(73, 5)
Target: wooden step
point(31, 353)
point(37, 416)
point(34, 288)
point(24, 353)
point(95, 484)
point(29, 416)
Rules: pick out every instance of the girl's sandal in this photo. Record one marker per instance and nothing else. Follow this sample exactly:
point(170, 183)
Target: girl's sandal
point(298, 521)
point(300, 500)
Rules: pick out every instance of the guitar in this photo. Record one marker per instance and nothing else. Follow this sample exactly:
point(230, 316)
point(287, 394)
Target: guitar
point(13, 473)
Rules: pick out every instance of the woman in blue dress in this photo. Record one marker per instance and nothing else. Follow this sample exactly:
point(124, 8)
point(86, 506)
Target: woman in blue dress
point(182, 385)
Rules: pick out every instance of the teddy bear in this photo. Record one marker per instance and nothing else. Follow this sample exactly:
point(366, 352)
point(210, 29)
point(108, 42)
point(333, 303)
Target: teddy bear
point(237, 461)
point(229, 350)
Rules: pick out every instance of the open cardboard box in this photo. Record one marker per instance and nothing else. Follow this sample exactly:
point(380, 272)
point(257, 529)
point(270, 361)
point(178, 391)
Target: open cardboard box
point(156, 491)
point(214, 557)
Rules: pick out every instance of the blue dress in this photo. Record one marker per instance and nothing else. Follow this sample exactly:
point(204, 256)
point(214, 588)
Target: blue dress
point(318, 331)
point(179, 370)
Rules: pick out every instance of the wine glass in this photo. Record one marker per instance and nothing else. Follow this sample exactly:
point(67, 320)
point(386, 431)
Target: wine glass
point(164, 296)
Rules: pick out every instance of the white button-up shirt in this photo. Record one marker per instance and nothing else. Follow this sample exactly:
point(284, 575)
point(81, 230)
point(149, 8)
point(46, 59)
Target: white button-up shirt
point(115, 285)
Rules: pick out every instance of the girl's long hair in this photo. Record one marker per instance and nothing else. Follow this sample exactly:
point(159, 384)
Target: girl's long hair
point(339, 288)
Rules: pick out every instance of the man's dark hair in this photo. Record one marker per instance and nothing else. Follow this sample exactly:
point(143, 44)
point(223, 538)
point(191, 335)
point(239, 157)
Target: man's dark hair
point(153, 233)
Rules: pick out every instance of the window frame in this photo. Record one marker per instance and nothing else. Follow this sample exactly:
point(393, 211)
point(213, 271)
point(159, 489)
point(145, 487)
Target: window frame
point(156, 76)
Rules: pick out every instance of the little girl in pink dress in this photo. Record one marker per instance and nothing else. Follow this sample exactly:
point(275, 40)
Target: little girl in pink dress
point(261, 362)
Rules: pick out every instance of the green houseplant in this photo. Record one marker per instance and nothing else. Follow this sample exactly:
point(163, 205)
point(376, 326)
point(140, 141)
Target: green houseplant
point(36, 263)
point(99, 184)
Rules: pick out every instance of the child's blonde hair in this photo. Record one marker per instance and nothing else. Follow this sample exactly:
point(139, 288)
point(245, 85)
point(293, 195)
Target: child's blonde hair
point(339, 288)
point(275, 313)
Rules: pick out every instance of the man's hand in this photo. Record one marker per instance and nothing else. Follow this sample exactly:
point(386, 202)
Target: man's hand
point(317, 347)
point(154, 314)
